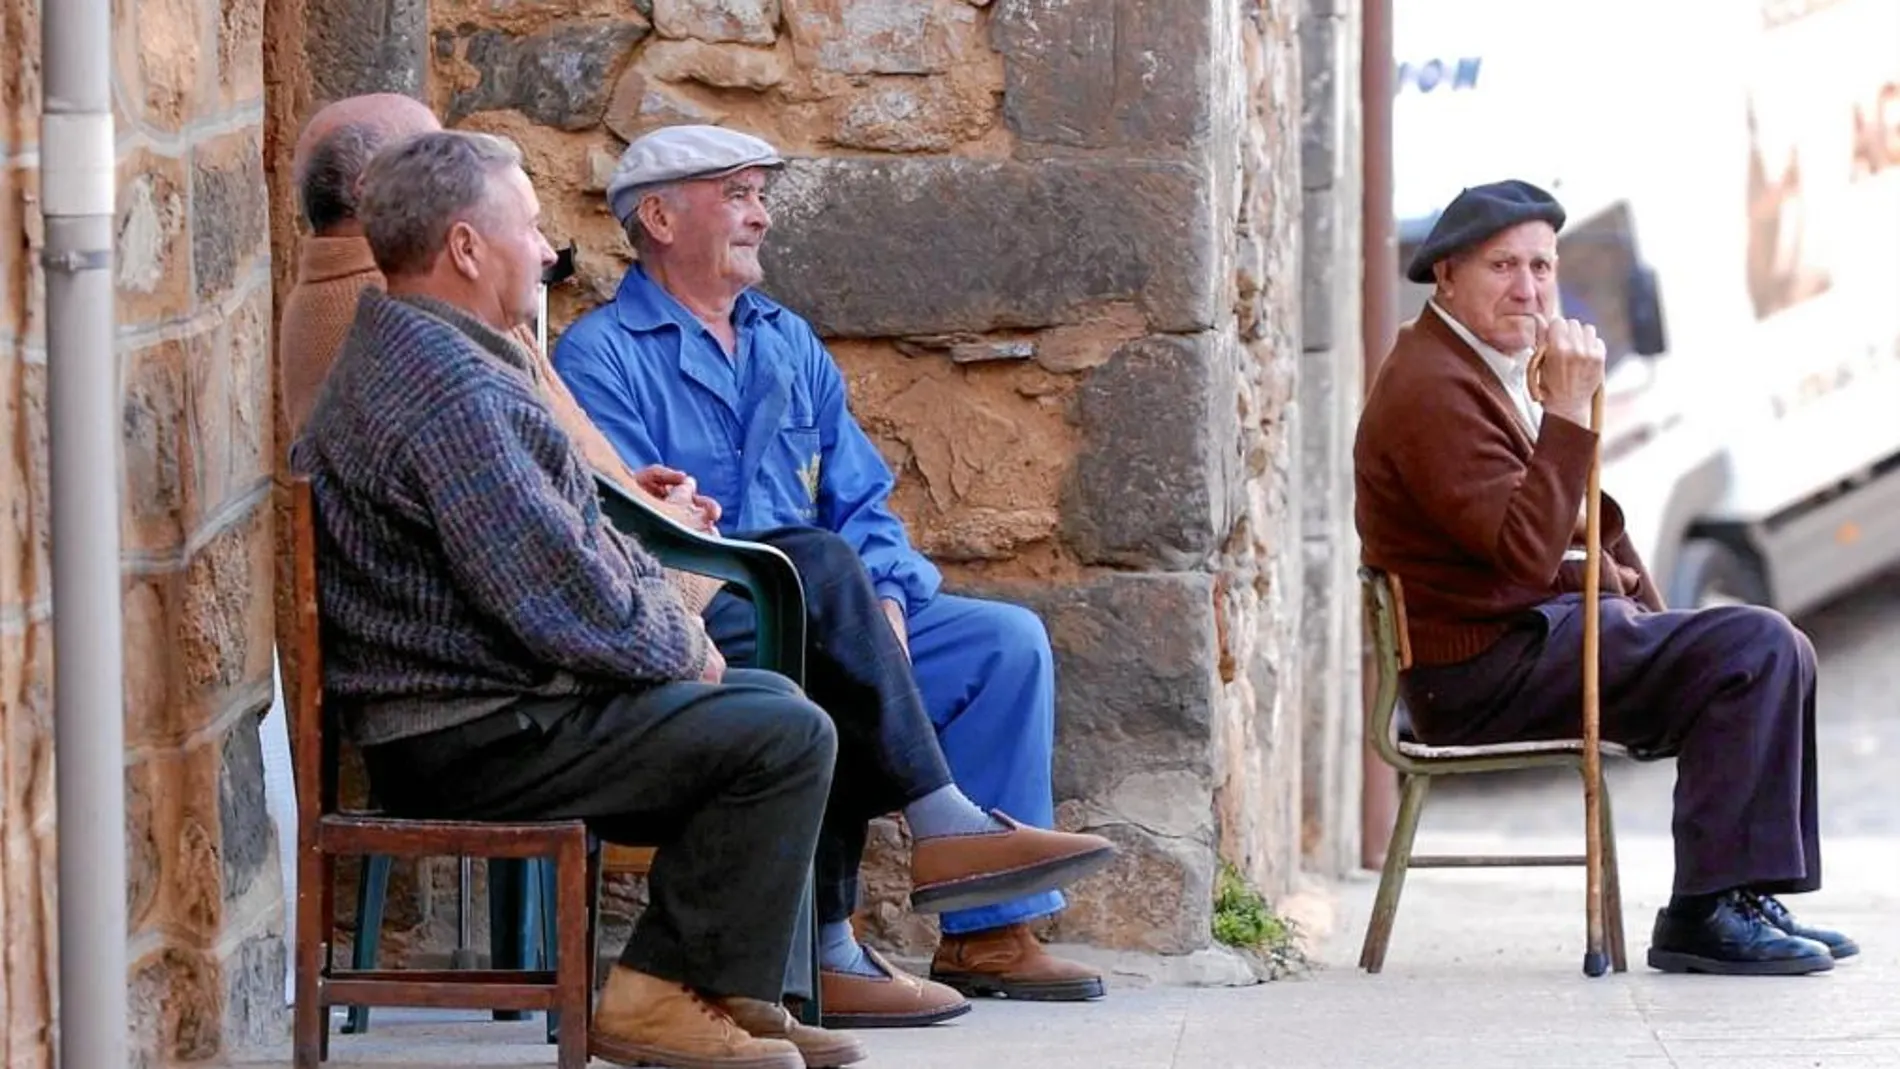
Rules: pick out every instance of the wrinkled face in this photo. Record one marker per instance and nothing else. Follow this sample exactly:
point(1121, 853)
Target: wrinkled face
point(502, 252)
point(711, 230)
point(1494, 288)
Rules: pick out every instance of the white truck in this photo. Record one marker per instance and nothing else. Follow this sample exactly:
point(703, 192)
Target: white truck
point(1731, 172)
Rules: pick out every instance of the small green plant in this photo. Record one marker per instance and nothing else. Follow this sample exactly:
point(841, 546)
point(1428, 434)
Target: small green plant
point(1243, 920)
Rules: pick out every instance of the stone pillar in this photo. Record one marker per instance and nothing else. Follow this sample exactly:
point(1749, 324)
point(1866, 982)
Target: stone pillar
point(1330, 388)
point(204, 898)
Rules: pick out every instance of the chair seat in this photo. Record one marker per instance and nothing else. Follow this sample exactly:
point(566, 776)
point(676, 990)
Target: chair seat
point(362, 834)
point(1528, 748)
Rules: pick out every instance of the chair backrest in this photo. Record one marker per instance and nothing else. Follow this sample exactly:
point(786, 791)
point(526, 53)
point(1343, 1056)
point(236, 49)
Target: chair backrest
point(1384, 600)
point(313, 749)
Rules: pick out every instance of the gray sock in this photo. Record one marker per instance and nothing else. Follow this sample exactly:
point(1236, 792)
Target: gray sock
point(945, 811)
point(838, 950)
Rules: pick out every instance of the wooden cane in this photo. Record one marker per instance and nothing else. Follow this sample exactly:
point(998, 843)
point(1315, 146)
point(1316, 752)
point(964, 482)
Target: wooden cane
point(1595, 961)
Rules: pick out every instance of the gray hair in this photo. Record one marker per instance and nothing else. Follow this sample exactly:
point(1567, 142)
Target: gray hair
point(636, 230)
point(415, 191)
point(326, 190)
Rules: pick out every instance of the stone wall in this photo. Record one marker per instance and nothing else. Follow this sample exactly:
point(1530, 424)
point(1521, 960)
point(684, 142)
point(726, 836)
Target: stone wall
point(1054, 245)
point(204, 897)
point(1331, 363)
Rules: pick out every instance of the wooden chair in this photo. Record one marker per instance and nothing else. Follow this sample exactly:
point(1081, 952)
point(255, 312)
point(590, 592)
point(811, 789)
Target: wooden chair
point(325, 833)
point(1418, 763)
point(519, 921)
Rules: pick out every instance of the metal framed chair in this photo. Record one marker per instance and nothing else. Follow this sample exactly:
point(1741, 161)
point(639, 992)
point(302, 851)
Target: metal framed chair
point(1418, 763)
point(521, 891)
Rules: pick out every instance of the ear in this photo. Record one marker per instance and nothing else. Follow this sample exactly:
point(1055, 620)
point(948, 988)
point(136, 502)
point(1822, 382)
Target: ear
point(656, 218)
point(1441, 276)
point(464, 246)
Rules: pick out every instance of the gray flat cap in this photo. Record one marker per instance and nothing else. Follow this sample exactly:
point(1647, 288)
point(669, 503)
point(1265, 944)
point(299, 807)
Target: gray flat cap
point(678, 153)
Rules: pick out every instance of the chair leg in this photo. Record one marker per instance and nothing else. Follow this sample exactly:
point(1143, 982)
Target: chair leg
point(1398, 856)
point(1612, 889)
point(544, 879)
point(569, 956)
point(372, 891)
point(507, 900)
point(310, 1018)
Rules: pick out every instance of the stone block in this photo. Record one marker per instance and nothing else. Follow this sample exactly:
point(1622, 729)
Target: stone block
point(153, 703)
point(246, 837)
point(224, 624)
point(1133, 697)
point(254, 1013)
point(366, 46)
point(561, 77)
point(230, 199)
point(156, 449)
point(241, 51)
point(1157, 896)
point(1320, 110)
point(1152, 487)
point(175, 998)
point(639, 105)
point(143, 865)
point(719, 66)
point(858, 37)
point(912, 115)
point(1320, 267)
point(13, 266)
point(25, 491)
point(153, 247)
point(160, 59)
point(753, 22)
point(876, 248)
point(1108, 74)
point(228, 379)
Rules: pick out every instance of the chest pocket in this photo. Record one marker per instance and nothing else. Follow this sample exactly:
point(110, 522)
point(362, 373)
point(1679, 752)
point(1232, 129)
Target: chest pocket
point(796, 466)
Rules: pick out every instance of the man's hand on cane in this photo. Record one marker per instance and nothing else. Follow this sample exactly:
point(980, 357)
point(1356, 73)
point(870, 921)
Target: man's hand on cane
point(1567, 368)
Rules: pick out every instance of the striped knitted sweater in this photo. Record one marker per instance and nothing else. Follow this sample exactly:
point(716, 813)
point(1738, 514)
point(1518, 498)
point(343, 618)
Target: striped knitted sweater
point(463, 561)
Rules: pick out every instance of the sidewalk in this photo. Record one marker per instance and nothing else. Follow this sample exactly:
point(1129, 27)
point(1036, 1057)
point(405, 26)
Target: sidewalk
point(1484, 970)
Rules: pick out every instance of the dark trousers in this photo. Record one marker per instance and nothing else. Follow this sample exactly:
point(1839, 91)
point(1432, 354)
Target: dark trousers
point(888, 754)
point(1729, 692)
point(730, 782)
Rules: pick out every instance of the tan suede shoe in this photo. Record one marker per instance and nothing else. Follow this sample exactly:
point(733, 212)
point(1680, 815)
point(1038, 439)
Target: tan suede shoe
point(895, 1000)
point(644, 1020)
point(1010, 961)
point(821, 1048)
point(952, 872)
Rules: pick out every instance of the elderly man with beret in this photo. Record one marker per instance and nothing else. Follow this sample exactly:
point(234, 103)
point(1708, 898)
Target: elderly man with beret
point(1471, 466)
point(691, 370)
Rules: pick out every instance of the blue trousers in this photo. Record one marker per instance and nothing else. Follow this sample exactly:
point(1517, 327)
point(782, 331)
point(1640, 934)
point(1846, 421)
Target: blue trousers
point(980, 677)
point(988, 681)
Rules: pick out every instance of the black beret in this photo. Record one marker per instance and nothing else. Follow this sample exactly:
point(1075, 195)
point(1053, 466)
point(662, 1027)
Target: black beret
point(1479, 212)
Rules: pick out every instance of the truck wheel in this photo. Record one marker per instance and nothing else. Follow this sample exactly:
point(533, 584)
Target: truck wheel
point(1709, 573)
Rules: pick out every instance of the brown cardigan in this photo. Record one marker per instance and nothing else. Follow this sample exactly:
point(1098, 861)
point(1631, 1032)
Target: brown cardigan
point(1455, 499)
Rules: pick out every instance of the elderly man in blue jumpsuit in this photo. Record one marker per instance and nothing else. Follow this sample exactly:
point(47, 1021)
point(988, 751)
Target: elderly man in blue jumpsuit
point(691, 372)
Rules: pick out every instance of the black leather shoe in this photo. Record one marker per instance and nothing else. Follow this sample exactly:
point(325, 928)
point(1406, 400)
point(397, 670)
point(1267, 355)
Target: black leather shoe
point(1736, 939)
point(1777, 914)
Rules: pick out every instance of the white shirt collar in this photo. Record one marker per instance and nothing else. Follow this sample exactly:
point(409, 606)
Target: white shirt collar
point(1510, 369)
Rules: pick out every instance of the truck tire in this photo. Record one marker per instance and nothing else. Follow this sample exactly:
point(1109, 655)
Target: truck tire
point(1709, 573)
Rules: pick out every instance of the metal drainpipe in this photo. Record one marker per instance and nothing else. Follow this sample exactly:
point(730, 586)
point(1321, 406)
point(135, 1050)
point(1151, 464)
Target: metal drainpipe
point(76, 194)
point(1378, 328)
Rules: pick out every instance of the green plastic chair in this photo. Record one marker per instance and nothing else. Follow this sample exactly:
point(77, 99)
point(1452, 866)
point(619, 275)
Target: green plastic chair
point(520, 927)
point(1417, 764)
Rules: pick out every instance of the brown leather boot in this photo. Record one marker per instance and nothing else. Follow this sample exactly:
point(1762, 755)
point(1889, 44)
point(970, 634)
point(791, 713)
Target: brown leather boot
point(821, 1048)
point(894, 1000)
point(1011, 962)
point(952, 872)
point(644, 1020)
